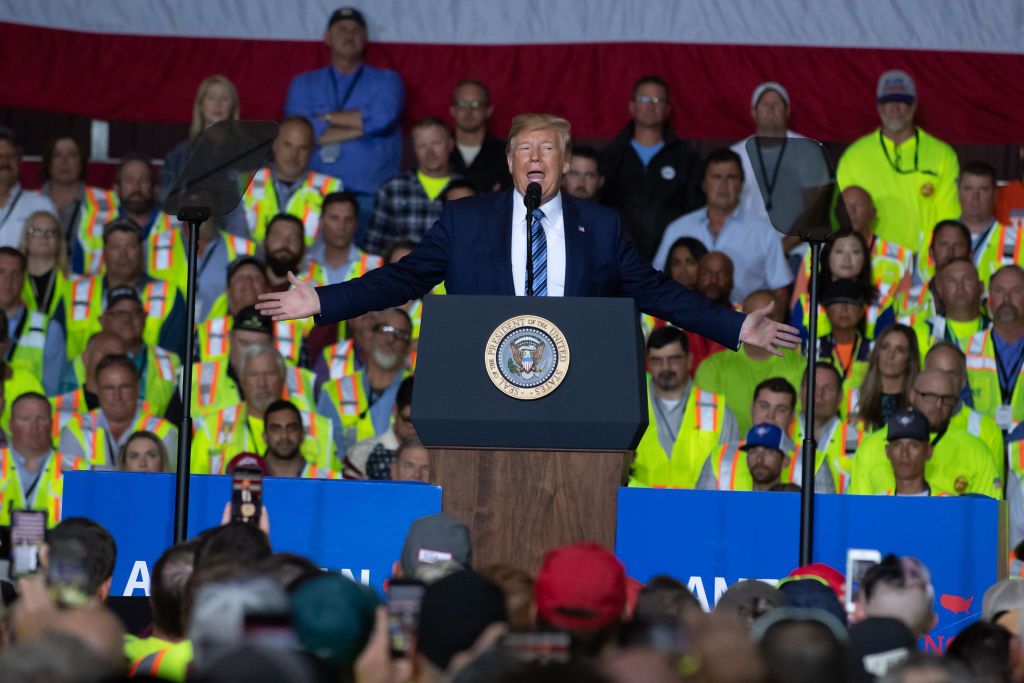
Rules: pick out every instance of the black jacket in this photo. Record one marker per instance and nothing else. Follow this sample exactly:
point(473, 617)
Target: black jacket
point(489, 168)
point(649, 199)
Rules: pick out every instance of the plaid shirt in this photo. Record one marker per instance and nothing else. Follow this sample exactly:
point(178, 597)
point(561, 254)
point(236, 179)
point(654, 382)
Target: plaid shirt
point(403, 212)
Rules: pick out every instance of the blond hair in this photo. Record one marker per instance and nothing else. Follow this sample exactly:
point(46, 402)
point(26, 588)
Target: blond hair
point(527, 123)
point(61, 259)
point(198, 124)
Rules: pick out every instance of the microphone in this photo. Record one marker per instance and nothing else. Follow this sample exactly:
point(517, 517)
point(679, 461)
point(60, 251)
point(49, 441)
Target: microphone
point(532, 201)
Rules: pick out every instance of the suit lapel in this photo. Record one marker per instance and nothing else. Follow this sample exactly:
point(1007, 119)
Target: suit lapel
point(500, 229)
point(575, 246)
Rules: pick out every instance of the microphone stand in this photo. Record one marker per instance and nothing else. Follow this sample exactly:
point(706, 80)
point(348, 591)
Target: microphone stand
point(809, 447)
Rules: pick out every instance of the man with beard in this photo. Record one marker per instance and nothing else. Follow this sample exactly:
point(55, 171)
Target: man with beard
point(217, 382)
point(910, 175)
point(124, 257)
point(16, 203)
point(287, 185)
point(995, 357)
point(360, 404)
point(684, 423)
point(408, 204)
point(241, 427)
point(729, 467)
point(284, 433)
point(132, 198)
point(283, 249)
point(960, 463)
point(247, 279)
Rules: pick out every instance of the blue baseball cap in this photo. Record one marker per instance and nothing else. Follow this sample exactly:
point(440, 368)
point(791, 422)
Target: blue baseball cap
point(768, 436)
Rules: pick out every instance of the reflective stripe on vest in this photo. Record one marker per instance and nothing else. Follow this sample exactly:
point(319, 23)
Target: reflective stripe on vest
point(156, 297)
point(340, 358)
point(728, 454)
point(82, 293)
point(162, 256)
point(216, 343)
point(706, 415)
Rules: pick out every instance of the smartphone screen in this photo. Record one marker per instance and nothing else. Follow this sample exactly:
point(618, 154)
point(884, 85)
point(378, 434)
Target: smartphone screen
point(66, 573)
point(858, 562)
point(404, 598)
point(246, 496)
point(28, 533)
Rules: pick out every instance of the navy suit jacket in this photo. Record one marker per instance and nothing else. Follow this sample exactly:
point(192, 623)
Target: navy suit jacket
point(470, 249)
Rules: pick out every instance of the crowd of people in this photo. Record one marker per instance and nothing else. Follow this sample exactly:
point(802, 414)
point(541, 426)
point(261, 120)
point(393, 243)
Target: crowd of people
point(226, 607)
point(920, 332)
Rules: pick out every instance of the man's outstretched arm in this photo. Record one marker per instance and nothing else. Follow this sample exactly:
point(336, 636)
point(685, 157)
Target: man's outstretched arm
point(386, 287)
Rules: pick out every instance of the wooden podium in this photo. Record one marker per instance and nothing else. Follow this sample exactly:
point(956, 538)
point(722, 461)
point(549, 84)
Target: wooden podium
point(530, 474)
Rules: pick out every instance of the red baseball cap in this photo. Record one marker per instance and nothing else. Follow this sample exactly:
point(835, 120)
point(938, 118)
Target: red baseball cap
point(580, 586)
point(247, 461)
point(826, 574)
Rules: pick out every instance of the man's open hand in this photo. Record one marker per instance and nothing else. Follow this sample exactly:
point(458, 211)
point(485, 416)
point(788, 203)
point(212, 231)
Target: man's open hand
point(301, 301)
point(764, 333)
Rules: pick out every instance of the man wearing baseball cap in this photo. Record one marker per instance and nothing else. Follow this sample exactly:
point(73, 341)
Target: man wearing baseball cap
point(910, 175)
point(766, 453)
point(355, 111)
point(769, 108)
point(908, 447)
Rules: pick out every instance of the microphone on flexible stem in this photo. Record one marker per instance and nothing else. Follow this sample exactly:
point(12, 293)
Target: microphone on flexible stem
point(532, 201)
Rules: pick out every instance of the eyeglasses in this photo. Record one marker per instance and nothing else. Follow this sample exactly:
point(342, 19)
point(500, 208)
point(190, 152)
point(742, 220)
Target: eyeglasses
point(392, 331)
point(928, 397)
point(470, 104)
point(36, 231)
point(646, 99)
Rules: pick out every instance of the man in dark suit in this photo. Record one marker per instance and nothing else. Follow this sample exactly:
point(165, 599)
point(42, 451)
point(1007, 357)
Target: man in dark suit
point(479, 247)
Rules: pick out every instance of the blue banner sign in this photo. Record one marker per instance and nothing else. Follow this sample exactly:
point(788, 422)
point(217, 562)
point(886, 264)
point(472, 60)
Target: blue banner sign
point(354, 527)
point(712, 539)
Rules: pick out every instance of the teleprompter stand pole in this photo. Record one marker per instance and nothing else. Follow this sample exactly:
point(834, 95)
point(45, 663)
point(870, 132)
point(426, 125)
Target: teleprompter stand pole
point(194, 217)
point(809, 447)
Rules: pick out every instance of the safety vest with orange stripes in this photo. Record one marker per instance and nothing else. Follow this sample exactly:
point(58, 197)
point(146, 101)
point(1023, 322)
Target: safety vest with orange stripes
point(99, 207)
point(45, 494)
point(834, 461)
point(700, 431)
point(85, 305)
point(261, 202)
point(223, 434)
point(213, 388)
point(983, 378)
point(92, 441)
point(215, 340)
point(166, 258)
point(157, 658)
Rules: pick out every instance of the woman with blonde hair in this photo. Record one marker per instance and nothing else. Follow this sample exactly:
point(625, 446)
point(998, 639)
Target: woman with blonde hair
point(143, 452)
point(216, 101)
point(892, 366)
point(45, 247)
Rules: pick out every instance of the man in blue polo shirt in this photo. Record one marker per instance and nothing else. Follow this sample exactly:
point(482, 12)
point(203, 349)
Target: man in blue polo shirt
point(355, 110)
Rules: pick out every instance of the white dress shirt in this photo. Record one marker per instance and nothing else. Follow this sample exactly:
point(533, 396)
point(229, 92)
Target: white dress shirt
point(554, 233)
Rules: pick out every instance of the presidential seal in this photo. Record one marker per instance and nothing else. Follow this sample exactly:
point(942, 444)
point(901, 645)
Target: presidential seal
point(526, 357)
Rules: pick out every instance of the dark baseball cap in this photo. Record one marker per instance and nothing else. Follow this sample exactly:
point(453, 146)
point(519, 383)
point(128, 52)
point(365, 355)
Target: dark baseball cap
point(842, 292)
point(116, 294)
point(251, 320)
point(908, 424)
point(454, 612)
point(346, 14)
point(243, 261)
point(436, 538)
